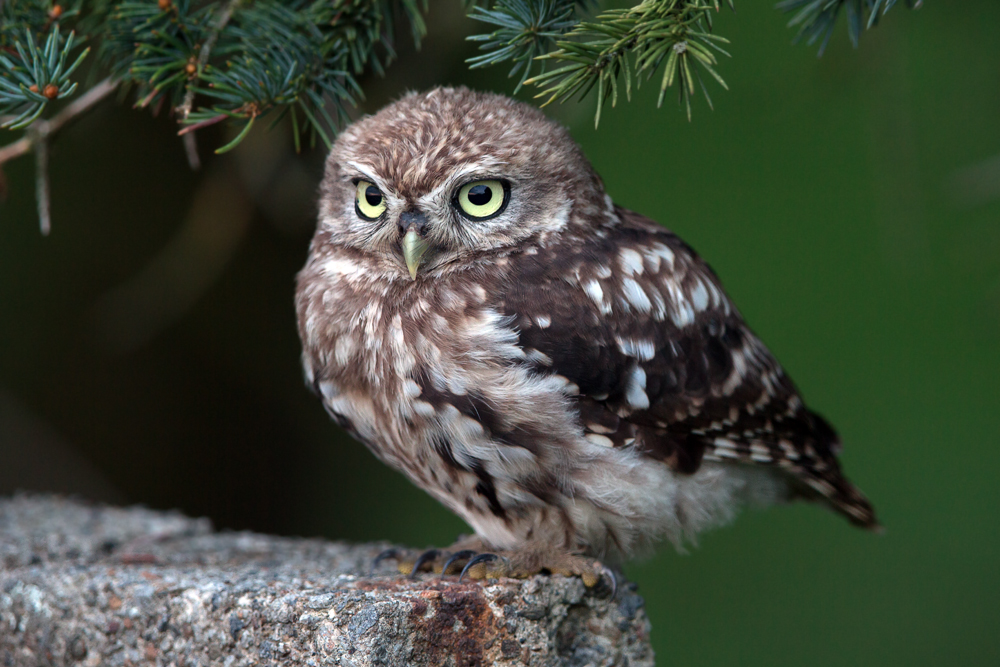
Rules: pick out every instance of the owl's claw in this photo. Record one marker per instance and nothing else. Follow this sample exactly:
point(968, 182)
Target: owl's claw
point(426, 557)
point(610, 574)
point(464, 554)
point(484, 572)
point(385, 555)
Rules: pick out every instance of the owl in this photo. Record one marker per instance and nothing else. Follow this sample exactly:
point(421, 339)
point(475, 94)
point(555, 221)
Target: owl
point(566, 375)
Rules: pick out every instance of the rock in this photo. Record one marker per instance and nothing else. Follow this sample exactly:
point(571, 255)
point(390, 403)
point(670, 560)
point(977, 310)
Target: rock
point(93, 585)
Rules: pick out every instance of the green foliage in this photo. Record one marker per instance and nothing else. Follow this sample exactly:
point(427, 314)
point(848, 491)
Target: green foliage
point(816, 19)
point(526, 30)
point(208, 60)
point(240, 60)
point(633, 43)
point(246, 60)
point(32, 74)
point(623, 47)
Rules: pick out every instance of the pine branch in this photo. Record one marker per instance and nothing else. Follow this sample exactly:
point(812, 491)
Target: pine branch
point(38, 136)
point(632, 44)
point(526, 30)
point(816, 19)
point(34, 75)
point(624, 47)
point(210, 61)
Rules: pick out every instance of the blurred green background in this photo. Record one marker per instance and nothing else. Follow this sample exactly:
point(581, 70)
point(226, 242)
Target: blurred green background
point(851, 204)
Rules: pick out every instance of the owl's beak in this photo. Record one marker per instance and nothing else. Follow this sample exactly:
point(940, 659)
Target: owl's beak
point(414, 248)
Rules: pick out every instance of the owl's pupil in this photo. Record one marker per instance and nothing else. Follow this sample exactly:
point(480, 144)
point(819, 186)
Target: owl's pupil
point(480, 195)
point(373, 196)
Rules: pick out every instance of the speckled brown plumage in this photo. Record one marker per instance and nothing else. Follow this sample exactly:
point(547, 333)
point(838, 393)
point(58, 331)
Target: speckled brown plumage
point(566, 372)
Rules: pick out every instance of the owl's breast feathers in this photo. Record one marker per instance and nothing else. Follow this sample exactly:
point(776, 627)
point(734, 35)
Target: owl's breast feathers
point(664, 362)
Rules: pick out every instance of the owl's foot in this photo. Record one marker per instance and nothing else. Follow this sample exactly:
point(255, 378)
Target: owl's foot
point(482, 564)
point(526, 563)
point(440, 561)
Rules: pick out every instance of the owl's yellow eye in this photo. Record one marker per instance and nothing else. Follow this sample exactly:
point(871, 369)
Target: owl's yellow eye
point(370, 202)
point(481, 200)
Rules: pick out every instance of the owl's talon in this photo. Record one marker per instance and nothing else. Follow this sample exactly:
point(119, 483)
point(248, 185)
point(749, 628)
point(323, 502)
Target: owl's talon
point(610, 574)
point(385, 555)
point(426, 557)
point(464, 554)
point(473, 562)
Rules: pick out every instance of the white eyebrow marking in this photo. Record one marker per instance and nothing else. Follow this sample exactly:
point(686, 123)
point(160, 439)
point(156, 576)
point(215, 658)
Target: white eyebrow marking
point(486, 169)
point(369, 173)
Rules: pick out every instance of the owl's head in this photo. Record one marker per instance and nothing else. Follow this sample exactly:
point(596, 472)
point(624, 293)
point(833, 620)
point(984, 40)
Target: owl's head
point(440, 180)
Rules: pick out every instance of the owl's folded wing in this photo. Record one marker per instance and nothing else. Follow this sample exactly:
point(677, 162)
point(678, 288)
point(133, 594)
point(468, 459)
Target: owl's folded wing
point(664, 362)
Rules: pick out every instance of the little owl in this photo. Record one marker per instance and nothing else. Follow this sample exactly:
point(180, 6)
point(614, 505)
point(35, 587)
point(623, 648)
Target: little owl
point(567, 376)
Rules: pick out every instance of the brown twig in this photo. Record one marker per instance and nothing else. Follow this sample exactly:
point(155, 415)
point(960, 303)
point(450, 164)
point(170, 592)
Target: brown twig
point(37, 137)
point(41, 129)
point(42, 186)
point(184, 110)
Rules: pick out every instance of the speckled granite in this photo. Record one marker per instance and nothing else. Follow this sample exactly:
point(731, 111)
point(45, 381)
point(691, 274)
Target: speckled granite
point(93, 585)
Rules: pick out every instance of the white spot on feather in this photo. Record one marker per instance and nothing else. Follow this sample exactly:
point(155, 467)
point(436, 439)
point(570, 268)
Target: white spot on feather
point(543, 321)
point(635, 390)
point(633, 292)
point(652, 261)
point(699, 296)
point(631, 261)
point(683, 314)
point(570, 388)
point(594, 291)
point(640, 349)
point(343, 349)
point(538, 357)
point(423, 408)
point(601, 440)
point(724, 443)
point(602, 271)
point(664, 253)
point(337, 266)
point(736, 377)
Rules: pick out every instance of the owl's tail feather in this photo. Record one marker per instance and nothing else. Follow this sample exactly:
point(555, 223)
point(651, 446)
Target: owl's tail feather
point(841, 495)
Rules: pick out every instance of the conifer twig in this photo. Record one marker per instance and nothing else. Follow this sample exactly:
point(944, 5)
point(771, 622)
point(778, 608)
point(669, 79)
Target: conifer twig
point(37, 137)
point(42, 186)
point(190, 142)
point(41, 129)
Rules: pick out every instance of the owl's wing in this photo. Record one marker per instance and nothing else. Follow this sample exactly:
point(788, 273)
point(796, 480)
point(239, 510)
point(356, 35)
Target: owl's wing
point(665, 363)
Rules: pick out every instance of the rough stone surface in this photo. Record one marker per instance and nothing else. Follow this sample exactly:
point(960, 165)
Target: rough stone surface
point(93, 585)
